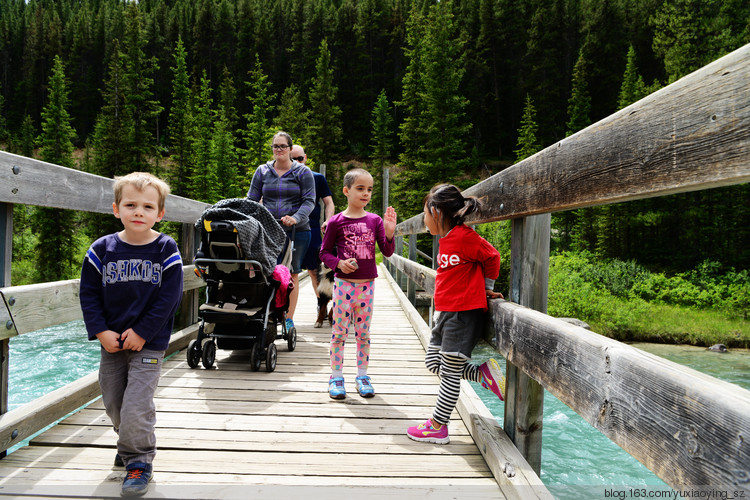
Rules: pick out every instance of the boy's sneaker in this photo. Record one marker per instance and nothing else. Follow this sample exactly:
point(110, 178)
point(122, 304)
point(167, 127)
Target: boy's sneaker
point(493, 378)
point(118, 461)
point(428, 434)
point(336, 388)
point(364, 387)
point(289, 325)
point(138, 474)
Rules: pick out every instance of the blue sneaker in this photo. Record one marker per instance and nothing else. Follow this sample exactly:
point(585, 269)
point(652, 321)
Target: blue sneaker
point(364, 387)
point(289, 325)
point(138, 474)
point(336, 388)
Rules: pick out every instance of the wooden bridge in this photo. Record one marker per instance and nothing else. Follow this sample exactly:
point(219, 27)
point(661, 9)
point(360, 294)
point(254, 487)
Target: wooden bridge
point(231, 432)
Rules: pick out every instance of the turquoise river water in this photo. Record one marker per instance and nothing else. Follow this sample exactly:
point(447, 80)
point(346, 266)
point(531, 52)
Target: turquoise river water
point(577, 460)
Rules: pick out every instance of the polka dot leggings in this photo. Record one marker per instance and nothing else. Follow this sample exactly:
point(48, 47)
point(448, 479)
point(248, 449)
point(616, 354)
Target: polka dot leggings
point(352, 304)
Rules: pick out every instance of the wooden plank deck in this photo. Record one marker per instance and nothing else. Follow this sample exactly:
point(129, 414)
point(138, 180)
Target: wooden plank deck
point(230, 432)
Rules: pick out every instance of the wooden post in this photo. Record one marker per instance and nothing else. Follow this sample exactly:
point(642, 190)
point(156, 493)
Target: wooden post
point(411, 286)
point(190, 298)
point(322, 169)
point(386, 196)
point(529, 276)
point(435, 251)
point(6, 253)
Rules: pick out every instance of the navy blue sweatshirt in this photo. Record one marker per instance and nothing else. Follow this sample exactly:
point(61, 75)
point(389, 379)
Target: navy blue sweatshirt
point(132, 286)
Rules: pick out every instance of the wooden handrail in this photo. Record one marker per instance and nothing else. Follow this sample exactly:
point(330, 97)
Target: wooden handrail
point(29, 308)
point(689, 428)
point(693, 134)
point(34, 182)
point(17, 425)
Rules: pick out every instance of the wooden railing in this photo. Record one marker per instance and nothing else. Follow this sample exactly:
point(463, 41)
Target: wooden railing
point(24, 309)
point(691, 430)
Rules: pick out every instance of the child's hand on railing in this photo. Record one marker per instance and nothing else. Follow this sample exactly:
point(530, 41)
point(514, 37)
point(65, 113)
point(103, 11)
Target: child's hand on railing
point(491, 294)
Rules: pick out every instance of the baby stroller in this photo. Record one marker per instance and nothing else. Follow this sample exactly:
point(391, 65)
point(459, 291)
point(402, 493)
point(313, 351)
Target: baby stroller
point(247, 295)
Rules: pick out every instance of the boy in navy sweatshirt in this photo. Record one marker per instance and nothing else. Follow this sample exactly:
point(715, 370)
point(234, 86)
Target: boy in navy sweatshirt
point(131, 286)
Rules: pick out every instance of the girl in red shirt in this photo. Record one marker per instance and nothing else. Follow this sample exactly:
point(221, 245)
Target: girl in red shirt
point(467, 268)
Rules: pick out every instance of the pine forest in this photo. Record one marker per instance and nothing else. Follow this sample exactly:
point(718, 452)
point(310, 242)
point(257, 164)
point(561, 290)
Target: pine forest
point(449, 91)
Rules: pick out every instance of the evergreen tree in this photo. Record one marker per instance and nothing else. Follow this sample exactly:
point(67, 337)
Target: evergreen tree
point(257, 134)
point(112, 141)
point(180, 124)
point(579, 108)
point(25, 141)
point(139, 102)
point(444, 121)
point(579, 104)
point(324, 132)
point(292, 116)
point(632, 89)
point(528, 142)
point(382, 144)
point(55, 227)
point(204, 183)
point(224, 159)
point(228, 100)
point(382, 131)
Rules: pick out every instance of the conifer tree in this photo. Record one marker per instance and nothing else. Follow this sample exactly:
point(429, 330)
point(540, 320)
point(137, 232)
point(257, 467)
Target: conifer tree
point(228, 100)
point(632, 88)
point(138, 79)
point(382, 131)
point(204, 183)
point(257, 134)
point(180, 123)
point(54, 226)
point(579, 108)
point(579, 104)
point(26, 137)
point(224, 159)
point(444, 119)
point(382, 144)
point(407, 188)
point(292, 116)
point(324, 132)
point(527, 143)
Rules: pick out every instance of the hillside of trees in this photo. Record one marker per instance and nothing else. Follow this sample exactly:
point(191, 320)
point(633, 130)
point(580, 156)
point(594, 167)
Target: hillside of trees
point(454, 91)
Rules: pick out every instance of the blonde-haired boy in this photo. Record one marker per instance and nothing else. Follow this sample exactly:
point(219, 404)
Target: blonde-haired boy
point(131, 286)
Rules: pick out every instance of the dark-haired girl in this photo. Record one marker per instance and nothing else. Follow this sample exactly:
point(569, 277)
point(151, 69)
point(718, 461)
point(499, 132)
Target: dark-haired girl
point(467, 268)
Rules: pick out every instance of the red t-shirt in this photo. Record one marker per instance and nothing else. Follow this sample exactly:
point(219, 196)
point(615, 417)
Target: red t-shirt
point(465, 259)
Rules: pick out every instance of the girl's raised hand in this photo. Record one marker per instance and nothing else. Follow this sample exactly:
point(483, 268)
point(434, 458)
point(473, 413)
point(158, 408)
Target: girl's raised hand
point(389, 222)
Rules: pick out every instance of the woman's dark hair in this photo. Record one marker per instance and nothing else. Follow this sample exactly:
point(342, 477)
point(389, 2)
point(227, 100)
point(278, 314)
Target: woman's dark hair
point(285, 135)
point(453, 205)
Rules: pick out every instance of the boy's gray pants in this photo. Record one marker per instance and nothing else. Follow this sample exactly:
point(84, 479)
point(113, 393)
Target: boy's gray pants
point(128, 380)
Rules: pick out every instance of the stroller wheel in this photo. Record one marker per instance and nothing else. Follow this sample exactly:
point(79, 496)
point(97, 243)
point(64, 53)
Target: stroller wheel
point(193, 354)
point(271, 358)
point(256, 357)
point(209, 354)
point(291, 341)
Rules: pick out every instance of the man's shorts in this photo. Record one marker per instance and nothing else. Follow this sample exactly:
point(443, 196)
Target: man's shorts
point(312, 258)
point(301, 242)
point(457, 332)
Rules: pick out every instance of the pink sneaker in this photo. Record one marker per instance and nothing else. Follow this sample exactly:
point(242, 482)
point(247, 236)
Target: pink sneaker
point(492, 377)
point(427, 433)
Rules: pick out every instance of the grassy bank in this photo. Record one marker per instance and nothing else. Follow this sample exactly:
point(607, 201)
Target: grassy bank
point(628, 303)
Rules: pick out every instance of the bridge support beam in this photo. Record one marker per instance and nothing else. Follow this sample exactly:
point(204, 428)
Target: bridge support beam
point(6, 252)
point(529, 277)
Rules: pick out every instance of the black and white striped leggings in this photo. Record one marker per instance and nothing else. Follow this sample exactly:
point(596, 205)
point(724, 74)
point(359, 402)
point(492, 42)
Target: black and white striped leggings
point(450, 369)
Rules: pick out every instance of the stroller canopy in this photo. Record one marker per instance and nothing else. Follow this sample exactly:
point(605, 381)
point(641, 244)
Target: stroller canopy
point(260, 236)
